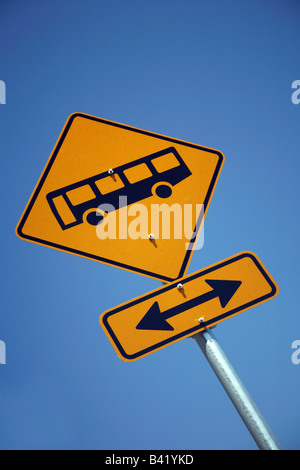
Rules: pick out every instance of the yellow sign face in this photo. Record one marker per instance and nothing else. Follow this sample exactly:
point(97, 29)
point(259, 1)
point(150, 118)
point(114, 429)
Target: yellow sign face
point(183, 308)
point(122, 196)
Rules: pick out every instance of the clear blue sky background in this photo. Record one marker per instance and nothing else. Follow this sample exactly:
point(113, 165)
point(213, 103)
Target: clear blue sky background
point(211, 72)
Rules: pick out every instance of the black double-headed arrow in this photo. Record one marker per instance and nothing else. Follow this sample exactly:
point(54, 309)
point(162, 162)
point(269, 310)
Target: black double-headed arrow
point(157, 320)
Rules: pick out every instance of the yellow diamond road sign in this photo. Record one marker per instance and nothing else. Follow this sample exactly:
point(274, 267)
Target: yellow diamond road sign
point(122, 196)
point(183, 308)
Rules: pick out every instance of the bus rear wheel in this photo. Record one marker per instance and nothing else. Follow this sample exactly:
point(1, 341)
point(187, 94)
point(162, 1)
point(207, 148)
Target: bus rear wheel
point(163, 190)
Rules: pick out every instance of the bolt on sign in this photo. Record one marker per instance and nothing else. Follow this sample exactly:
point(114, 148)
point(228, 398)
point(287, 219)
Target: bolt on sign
point(183, 308)
point(122, 196)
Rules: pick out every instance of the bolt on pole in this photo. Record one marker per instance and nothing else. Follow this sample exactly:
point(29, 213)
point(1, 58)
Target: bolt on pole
point(236, 391)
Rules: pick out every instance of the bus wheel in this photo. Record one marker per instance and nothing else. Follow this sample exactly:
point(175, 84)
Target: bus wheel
point(163, 191)
point(94, 218)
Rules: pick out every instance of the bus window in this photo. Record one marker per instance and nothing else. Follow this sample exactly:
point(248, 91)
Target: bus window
point(109, 183)
point(63, 210)
point(165, 162)
point(79, 195)
point(137, 173)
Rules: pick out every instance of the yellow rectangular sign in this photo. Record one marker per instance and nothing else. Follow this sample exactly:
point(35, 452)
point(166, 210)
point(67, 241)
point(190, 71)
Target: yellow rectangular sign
point(107, 187)
point(183, 308)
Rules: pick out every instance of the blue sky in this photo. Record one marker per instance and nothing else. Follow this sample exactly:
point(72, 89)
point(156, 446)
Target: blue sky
point(215, 73)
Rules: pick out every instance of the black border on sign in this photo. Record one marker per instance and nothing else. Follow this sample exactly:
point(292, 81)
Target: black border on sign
point(189, 332)
point(99, 258)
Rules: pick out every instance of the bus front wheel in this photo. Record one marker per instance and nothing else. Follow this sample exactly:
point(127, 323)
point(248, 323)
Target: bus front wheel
point(94, 217)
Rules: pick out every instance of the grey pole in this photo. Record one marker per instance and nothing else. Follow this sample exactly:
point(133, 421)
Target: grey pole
point(236, 391)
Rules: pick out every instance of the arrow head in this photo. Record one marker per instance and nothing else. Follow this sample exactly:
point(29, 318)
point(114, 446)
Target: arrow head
point(154, 320)
point(224, 289)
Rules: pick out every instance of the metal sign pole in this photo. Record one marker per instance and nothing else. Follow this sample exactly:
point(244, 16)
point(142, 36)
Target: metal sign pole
point(236, 391)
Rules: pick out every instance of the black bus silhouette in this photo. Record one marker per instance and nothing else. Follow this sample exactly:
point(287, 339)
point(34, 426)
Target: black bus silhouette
point(137, 180)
